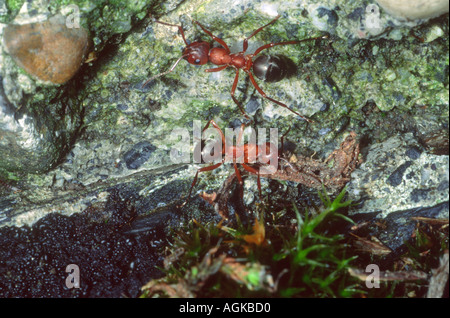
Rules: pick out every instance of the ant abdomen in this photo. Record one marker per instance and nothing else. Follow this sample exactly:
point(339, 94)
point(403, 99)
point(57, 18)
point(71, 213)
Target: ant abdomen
point(273, 68)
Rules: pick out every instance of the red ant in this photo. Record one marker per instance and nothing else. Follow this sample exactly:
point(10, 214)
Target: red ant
point(247, 153)
point(265, 67)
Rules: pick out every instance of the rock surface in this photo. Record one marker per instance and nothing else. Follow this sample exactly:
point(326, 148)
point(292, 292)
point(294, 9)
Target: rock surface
point(398, 175)
point(34, 141)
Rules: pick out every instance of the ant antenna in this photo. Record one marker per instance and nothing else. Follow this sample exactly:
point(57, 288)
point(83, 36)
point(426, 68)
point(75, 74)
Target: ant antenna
point(166, 72)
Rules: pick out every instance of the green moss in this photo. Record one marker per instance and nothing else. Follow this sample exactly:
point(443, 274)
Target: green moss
point(8, 175)
point(14, 5)
point(106, 18)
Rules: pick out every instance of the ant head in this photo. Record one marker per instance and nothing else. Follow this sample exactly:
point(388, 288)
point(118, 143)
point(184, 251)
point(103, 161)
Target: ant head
point(197, 53)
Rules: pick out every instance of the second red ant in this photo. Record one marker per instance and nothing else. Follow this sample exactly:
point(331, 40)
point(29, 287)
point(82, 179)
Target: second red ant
point(246, 155)
point(270, 68)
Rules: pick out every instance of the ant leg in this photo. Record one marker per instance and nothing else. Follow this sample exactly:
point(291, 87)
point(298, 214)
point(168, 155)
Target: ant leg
point(241, 132)
point(179, 29)
point(233, 90)
point(237, 152)
point(245, 45)
point(241, 183)
point(269, 45)
point(252, 79)
point(282, 139)
point(209, 168)
point(216, 69)
point(212, 122)
point(215, 38)
point(254, 171)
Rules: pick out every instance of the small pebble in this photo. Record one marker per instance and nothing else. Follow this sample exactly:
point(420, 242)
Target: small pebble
point(49, 50)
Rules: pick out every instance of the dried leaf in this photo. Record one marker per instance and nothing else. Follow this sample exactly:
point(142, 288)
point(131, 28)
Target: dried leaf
point(252, 275)
point(375, 248)
point(334, 172)
point(346, 157)
point(359, 225)
point(170, 259)
point(223, 196)
point(210, 198)
point(430, 221)
point(179, 290)
point(258, 235)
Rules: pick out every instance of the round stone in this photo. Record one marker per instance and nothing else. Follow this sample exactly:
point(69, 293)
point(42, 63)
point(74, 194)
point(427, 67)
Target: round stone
point(49, 50)
point(415, 9)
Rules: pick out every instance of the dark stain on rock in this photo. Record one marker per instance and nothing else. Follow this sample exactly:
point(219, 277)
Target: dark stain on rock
point(413, 153)
point(395, 179)
point(334, 90)
point(332, 16)
point(356, 14)
point(138, 155)
point(418, 195)
point(443, 185)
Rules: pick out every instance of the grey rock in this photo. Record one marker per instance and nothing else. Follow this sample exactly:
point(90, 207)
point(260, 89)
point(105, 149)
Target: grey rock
point(138, 155)
point(148, 191)
point(28, 144)
point(389, 181)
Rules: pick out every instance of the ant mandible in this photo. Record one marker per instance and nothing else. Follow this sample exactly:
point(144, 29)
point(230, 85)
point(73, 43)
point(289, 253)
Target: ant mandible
point(264, 67)
point(243, 154)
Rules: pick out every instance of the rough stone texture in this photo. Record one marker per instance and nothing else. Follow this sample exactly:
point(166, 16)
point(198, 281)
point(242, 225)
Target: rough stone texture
point(397, 175)
point(49, 50)
point(148, 191)
point(31, 142)
point(338, 82)
point(43, 120)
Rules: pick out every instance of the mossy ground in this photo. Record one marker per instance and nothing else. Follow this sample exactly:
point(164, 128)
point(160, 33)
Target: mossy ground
point(290, 254)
